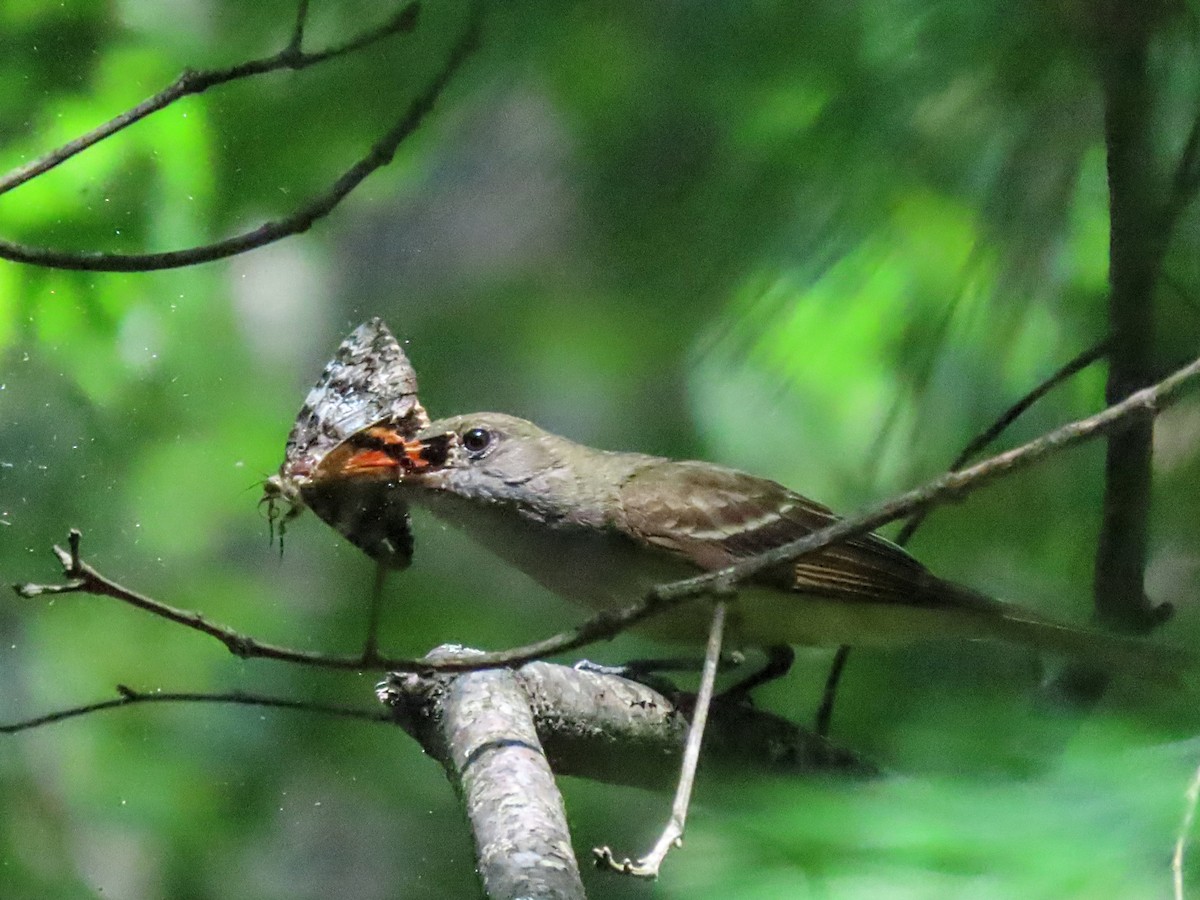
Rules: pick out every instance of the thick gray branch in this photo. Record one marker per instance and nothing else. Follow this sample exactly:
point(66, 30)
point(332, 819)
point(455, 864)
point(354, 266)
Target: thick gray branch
point(621, 732)
point(499, 732)
point(480, 727)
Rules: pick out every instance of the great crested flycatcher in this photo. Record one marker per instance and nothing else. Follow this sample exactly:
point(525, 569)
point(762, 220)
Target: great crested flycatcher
point(601, 528)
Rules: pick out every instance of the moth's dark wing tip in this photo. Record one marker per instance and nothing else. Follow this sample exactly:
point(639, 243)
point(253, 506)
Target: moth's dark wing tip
point(370, 514)
point(392, 544)
point(402, 543)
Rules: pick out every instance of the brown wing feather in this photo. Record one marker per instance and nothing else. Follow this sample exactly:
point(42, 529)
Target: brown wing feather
point(715, 516)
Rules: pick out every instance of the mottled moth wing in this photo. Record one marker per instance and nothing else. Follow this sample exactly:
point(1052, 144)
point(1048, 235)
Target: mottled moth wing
point(329, 466)
point(369, 381)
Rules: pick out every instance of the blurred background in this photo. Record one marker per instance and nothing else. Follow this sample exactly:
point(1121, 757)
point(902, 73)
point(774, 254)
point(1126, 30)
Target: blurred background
point(823, 242)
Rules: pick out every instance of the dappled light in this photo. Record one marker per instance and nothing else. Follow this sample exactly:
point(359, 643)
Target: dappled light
point(828, 245)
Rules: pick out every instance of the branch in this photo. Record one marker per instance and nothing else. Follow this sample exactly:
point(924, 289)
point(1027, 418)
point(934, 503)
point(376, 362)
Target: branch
point(649, 865)
point(483, 733)
point(1138, 237)
point(976, 445)
point(379, 155)
point(494, 732)
point(984, 439)
point(130, 697)
point(833, 680)
point(1191, 796)
point(191, 81)
point(1138, 407)
point(82, 578)
point(593, 725)
point(611, 729)
point(499, 733)
point(302, 21)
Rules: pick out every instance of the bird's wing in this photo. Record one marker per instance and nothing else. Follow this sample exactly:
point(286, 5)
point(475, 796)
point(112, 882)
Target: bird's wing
point(714, 517)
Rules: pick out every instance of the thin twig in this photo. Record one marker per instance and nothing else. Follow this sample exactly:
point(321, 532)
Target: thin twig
point(371, 643)
point(192, 81)
point(1189, 817)
point(81, 577)
point(130, 697)
point(976, 445)
point(984, 439)
point(379, 155)
point(829, 693)
point(672, 835)
point(1140, 406)
point(294, 45)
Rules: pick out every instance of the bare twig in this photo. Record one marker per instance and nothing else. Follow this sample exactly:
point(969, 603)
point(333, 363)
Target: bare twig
point(130, 697)
point(984, 439)
point(602, 727)
point(824, 716)
point(371, 643)
point(672, 835)
point(81, 577)
point(379, 155)
point(976, 445)
point(1138, 407)
point(192, 81)
point(1185, 830)
point(297, 40)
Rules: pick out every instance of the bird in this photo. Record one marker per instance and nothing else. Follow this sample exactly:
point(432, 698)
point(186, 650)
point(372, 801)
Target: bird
point(601, 528)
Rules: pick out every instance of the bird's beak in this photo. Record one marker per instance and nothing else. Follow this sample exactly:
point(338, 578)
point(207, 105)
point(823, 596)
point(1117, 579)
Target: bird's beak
point(432, 451)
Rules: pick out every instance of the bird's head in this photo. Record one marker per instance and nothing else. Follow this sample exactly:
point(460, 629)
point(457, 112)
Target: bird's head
point(485, 456)
point(492, 458)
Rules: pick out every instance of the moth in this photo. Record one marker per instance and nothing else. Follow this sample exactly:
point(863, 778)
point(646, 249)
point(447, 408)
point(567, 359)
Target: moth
point(350, 445)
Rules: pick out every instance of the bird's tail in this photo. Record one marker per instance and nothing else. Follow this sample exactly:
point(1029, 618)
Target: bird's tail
point(1117, 654)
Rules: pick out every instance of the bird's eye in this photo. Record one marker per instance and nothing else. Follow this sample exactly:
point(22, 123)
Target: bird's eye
point(477, 440)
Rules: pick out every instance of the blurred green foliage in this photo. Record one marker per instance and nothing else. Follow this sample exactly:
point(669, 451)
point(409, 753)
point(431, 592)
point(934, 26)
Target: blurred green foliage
point(825, 242)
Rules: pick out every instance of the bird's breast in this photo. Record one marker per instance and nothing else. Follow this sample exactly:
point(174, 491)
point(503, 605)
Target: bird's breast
point(596, 567)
